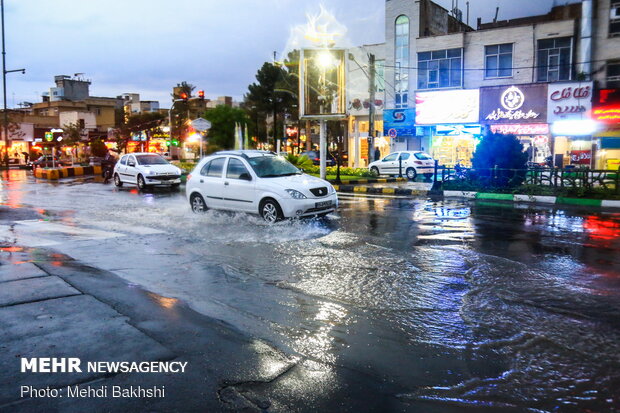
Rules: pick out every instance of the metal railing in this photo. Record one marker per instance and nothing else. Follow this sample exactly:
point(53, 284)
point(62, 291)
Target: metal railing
point(556, 178)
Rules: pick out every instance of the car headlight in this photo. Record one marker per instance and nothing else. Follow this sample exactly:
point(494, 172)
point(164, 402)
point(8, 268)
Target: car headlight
point(179, 171)
point(331, 189)
point(150, 172)
point(295, 194)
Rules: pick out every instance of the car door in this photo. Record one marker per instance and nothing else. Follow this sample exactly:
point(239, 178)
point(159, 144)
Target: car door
point(121, 169)
point(389, 164)
point(407, 162)
point(131, 170)
point(239, 187)
point(211, 183)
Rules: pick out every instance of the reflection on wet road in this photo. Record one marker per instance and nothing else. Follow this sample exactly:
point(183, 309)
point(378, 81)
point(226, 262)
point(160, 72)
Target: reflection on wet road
point(449, 303)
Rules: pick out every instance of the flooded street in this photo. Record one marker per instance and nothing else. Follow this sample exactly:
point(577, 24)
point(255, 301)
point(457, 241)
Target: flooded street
point(431, 305)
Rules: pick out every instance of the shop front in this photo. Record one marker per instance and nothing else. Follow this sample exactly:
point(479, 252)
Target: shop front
point(569, 107)
point(519, 110)
point(448, 121)
point(606, 112)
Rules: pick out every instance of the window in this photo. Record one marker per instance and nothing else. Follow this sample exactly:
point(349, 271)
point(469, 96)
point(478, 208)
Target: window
point(440, 68)
point(422, 156)
point(554, 59)
point(380, 76)
point(213, 168)
point(614, 19)
point(401, 61)
point(235, 169)
point(404, 156)
point(131, 159)
point(390, 157)
point(498, 60)
point(124, 160)
point(613, 74)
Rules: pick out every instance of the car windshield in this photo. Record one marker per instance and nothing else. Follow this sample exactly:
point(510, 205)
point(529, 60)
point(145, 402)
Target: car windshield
point(272, 166)
point(422, 156)
point(151, 160)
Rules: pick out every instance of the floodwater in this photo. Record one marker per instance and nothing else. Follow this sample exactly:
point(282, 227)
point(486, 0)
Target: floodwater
point(442, 304)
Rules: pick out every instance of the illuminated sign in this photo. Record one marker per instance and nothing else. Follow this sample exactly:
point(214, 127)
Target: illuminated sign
point(568, 101)
point(521, 129)
point(450, 106)
point(455, 130)
point(513, 104)
point(580, 157)
point(291, 132)
point(607, 114)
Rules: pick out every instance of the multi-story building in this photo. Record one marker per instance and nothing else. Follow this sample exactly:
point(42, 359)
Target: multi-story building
point(132, 104)
point(446, 82)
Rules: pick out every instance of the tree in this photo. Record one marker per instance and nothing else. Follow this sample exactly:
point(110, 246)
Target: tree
point(271, 95)
point(503, 152)
point(147, 123)
point(223, 119)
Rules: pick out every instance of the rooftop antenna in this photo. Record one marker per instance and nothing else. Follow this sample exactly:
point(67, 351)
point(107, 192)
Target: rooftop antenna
point(496, 13)
point(467, 5)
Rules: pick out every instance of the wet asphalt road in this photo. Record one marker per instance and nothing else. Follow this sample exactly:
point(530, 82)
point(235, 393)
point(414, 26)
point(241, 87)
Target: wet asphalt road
point(448, 304)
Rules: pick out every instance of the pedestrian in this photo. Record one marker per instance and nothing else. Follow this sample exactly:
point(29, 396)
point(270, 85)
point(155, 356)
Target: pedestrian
point(377, 154)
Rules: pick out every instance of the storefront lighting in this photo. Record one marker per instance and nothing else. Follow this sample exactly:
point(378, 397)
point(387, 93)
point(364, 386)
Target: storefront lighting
point(580, 127)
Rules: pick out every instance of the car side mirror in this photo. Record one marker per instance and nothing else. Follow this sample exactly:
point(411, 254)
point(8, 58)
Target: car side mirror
point(245, 176)
point(130, 163)
point(303, 171)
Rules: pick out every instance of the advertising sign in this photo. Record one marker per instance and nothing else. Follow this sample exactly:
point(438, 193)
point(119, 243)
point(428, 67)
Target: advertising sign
point(607, 107)
point(521, 129)
point(323, 87)
point(568, 101)
point(580, 157)
point(450, 106)
point(514, 104)
point(399, 122)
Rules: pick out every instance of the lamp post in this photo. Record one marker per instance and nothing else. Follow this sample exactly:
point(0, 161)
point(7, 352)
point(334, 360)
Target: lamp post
point(170, 120)
point(4, 72)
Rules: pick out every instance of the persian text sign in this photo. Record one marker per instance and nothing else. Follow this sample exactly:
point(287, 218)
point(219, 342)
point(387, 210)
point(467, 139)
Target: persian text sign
point(580, 157)
point(569, 101)
point(514, 104)
point(521, 129)
point(450, 106)
point(607, 114)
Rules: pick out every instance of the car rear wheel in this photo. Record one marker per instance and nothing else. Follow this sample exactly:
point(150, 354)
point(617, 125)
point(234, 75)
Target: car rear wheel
point(117, 180)
point(198, 204)
point(411, 173)
point(271, 211)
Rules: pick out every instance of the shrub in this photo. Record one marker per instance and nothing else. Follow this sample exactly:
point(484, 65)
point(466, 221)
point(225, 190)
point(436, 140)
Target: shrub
point(503, 152)
point(302, 162)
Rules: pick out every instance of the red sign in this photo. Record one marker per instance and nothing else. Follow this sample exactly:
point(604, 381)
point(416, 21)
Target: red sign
point(607, 114)
point(521, 129)
point(580, 157)
point(291, 132)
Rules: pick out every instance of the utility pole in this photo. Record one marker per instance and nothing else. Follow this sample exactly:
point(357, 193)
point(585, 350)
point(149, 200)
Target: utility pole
point(371, 108)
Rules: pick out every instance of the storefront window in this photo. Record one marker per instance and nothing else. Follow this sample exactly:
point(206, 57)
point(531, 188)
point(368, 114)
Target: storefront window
point(450, 150)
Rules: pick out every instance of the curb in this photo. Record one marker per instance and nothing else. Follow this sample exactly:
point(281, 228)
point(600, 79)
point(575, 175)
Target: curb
point(380, 191)
point(534, 199)
point(518, 198)
point(57, 173)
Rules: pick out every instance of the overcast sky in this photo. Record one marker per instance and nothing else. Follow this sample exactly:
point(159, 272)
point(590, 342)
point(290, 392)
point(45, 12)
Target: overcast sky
point(148, 46)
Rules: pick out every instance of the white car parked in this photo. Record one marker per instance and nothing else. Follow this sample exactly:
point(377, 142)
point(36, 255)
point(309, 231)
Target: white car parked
point(413, 163)
point(145, 170)
point(260, 183)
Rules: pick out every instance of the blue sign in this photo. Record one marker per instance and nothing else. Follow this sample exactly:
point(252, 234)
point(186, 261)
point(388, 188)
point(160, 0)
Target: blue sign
point(402, 121)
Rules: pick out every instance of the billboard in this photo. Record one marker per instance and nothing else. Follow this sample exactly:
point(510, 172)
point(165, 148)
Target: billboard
point(399, 122)
point(449, 106)
point(514, 104)
point(322, 84)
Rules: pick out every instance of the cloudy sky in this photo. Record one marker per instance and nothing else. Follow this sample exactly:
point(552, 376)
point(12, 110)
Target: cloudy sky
point(148, 46)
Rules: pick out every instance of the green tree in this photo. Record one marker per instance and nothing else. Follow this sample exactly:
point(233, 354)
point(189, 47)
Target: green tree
point(148, 123)
point(98, 148)
point(503, 152)
point(180, 109)
point(223, 119)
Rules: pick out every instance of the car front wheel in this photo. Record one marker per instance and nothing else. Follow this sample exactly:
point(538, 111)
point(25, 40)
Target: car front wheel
point(270, 211)
point(117, 180)
point(198, 204)
point(375, 170)
point(141, 182)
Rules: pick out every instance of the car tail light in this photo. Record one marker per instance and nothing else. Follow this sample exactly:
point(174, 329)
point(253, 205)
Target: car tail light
point(419, 163)
point(189, 177)
point(316, 159)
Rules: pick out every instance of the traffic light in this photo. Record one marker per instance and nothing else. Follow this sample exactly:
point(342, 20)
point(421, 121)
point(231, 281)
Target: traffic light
point(175, 142)
point(167, 143)
point(184, 96)
point(201, 94)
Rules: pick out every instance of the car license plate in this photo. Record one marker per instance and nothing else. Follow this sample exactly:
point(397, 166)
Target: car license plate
point(323, 204)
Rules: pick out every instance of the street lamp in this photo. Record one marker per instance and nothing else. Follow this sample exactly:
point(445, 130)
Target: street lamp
point(4, 72)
